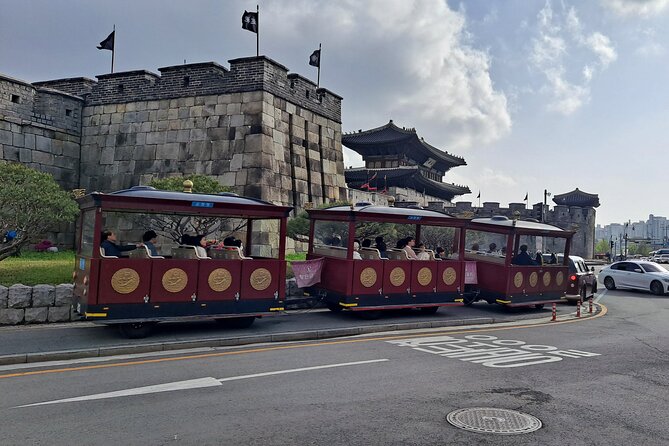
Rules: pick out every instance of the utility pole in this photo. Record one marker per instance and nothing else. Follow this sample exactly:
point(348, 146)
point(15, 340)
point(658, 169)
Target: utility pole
point(543, 209)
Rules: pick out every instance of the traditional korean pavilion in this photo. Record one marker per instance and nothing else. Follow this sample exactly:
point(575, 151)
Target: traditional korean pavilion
point(397, 157)
point(577, 198)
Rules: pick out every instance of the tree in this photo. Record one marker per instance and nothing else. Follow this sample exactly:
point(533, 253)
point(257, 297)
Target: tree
point(31, 202)
point(174, 226)
point(602, 247)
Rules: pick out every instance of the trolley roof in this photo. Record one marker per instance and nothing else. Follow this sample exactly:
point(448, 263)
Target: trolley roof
point(149, 199)
point(368, 212)
point(523, 226)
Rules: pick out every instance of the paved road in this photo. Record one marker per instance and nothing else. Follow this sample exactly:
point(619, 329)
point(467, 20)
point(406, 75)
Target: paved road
point(600, 381)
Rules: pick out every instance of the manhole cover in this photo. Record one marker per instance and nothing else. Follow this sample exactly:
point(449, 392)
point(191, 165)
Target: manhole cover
point(493, 421)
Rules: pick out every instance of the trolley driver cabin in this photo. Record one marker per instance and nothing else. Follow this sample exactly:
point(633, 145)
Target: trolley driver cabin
point(382, 276)
point(179, 284)
point(510, 267)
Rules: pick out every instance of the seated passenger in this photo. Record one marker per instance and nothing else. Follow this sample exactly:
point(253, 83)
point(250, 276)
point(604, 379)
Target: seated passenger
point(523, 258)
point(439, 253)
point(475, 247)
point(553, 259)
point(381, 246)
point(366, 243)
point(356, 248)
point(539, 259)
point(108, 244)
point(422, 253)
point(492, 248)
point(409, 243)
point(198, 242)
point(149, 239)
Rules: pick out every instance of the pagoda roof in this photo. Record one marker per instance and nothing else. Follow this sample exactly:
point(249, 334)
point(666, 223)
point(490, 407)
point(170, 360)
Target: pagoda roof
point(409, 177)
point(577, 198)
point(390, 138)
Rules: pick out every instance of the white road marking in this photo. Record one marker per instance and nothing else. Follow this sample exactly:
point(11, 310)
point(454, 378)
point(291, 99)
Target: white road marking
point(192, 384)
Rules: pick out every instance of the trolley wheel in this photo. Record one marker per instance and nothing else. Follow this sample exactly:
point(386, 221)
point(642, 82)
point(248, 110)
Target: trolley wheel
point(237, 322)
point(656, 288)
point(429, 310)
point(539, 306)
point(136, 330)
point(334, 307)
point(609, 283)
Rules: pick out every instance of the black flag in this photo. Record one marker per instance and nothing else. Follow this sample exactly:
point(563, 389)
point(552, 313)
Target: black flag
point(108, 43)
point(315, 58)
point(250, 21)
point(525, 199)
point(479, 195)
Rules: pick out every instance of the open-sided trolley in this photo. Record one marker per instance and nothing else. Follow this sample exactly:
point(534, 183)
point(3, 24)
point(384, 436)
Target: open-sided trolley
point(138, 291)
point(494, 243)
point(376, 283)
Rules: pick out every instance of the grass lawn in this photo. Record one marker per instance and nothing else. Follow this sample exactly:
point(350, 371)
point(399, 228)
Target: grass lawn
point(34, 268)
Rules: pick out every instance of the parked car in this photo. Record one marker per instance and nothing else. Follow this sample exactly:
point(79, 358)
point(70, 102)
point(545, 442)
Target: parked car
point(662, 258)
point(582, 282)
point(640, 275)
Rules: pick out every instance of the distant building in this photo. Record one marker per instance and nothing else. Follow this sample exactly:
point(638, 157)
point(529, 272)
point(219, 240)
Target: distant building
point(399, 163)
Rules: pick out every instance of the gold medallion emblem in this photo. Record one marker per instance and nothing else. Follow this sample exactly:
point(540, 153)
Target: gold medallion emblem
point(534, 278)
point(547, 278)
point(397, 276)
point(125, 281)
point(175, 280)
point(220, 279)
point(368, 277)
point(424, 276)
point(559, 278)
point(449, 276)
point(260, 279)
point(518, 279)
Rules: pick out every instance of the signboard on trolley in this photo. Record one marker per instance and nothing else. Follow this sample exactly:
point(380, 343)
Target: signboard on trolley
point(202, 204)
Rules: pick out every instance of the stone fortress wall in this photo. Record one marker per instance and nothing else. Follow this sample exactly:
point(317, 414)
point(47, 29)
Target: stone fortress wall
point(255, 127)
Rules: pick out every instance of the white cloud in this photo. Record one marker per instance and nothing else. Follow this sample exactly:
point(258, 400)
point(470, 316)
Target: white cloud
point(636, 8)
point(561, 45)
point(413, 63)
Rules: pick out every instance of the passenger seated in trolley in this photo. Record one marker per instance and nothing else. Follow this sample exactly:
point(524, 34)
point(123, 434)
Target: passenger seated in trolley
point(408, 244)
point(422, 253)
point(149, 240)
point(356, 251)
point(381, 246)
point(196, 241)
point(109, 246)
point(523, 258)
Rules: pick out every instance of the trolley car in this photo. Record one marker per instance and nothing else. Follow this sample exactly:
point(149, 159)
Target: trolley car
point(141, 290)
point(375, 283)
point(495, 245)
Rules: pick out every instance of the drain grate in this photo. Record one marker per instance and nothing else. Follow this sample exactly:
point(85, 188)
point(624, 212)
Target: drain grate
point(493, 421)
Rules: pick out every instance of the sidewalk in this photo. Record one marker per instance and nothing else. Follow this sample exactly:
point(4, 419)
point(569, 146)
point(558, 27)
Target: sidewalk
point(37, 343)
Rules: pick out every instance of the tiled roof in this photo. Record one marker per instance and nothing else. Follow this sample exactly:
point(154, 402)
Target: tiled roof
point(577, 198)
point(409, 177)
point(390, 135)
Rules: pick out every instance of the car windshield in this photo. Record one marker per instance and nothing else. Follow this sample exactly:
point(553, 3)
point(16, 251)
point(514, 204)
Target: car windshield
point(650, 268)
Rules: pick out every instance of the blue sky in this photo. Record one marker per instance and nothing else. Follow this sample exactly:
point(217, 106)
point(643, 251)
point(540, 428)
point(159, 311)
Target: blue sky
point(533, 94)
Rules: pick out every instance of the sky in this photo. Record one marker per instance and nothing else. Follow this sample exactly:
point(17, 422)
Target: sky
point(534, 94)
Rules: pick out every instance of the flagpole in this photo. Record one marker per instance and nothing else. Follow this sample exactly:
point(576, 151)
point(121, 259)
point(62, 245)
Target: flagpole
point(258, 33)
point(320, 59)
point(113, 47)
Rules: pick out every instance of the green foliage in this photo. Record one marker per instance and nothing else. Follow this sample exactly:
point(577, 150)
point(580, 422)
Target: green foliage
point(34, 268)
point(31, 202)
point(202, 184)
point(602, 247)
point(299, 225)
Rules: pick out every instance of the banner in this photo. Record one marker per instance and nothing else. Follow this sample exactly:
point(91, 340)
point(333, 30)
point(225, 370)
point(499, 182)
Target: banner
point(308, 272)
point(471, 276)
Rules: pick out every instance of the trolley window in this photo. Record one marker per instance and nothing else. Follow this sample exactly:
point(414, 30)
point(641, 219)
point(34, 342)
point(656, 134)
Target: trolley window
point(87, 233)
point(485, 246)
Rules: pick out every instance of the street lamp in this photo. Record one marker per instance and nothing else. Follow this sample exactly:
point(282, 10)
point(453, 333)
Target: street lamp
point(543, 209)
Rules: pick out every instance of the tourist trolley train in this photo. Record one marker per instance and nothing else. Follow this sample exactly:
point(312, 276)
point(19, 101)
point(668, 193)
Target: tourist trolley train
point(377, 283)
point(141, 290)
point(239, 284)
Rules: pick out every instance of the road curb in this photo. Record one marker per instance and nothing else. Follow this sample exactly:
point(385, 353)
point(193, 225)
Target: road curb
point(307, 335)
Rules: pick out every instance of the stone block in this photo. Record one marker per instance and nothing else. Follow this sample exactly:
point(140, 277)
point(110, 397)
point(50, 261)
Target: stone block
point(43, 295)
point(4, 291)
point(6, 137)
point(19, 296)
point(64, 294)
point(36, 315)
point(10, 316)
point(236, 162)
point(156, 138)
point(59, 314)
point(168, 151)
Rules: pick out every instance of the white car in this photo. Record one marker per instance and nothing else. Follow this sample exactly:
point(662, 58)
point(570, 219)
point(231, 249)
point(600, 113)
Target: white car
point(662, 258)
point(637, 274)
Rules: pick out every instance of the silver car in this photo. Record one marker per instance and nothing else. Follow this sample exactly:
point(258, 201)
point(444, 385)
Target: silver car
point(637, 274)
